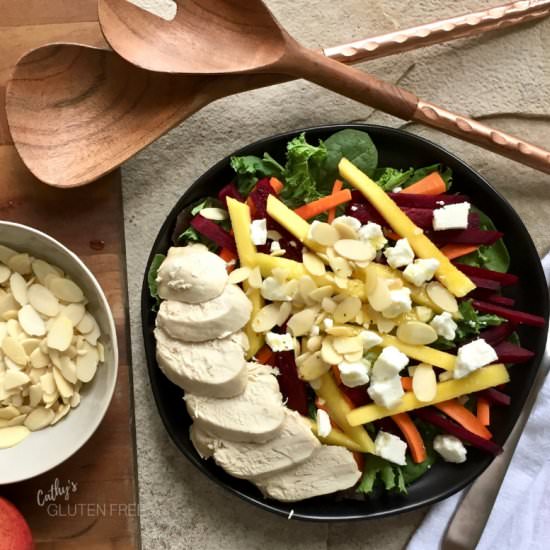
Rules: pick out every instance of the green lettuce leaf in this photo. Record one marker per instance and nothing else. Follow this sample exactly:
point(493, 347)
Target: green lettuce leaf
point(250, 169)
point(473, 322)
point(152, 276)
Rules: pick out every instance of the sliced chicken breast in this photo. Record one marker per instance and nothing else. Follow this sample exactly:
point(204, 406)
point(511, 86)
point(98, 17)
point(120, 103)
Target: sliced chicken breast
point(215, 368)
point(254, 416)
point(191, 274)
point(217, 318)
point(328, 470)
point(294, 444)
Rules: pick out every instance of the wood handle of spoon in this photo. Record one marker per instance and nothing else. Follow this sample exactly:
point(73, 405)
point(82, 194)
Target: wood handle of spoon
point(463, 26)
point(403, 104)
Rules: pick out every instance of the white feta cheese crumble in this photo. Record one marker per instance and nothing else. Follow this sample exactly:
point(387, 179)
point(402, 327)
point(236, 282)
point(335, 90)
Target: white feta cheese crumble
point(421, 271)
point(258, 231)
point(397, 189)
point(389, 364)
point(386, 393)
point(444, 325)
point(279, 342)
point(323, 423)
point(450, 448)
point(370, 339)
point(275, 246)
point(399, 255)
point(328, 323)
point(390, 447)
point(473, 356)
point(354, 223)
point(451, 216)
point(401, 303)
point(354, 374)
point(273, 290)
point(372, 233)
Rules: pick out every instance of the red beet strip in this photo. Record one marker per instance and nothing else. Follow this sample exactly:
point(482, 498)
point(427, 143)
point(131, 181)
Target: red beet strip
point(426, 201)
point(230, 190)
point(510, 353)
point(485, 283)
point(519, 317)
point(501, 300)
point(214, 232)
point(505, 279)
point(292, 388)
point(432, 417)
point(495, 335)
point(259, 195)
point(465, 236)
point(495, 396)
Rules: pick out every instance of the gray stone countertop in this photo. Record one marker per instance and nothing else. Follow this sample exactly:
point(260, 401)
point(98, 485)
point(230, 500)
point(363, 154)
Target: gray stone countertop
point(502, 78)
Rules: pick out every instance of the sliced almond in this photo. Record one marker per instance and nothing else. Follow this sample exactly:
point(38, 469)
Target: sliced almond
point(75, 400)
point(8, 303)
point(74, 312)
point(5, 273)
point(86, 365)
point(61, 412)
point(47, 383)
point(266, 318)
point(424, 313)
point(20, 263)
point(39, 360)
point(31, 322)
point(215, 214)
point(86, 325)
point(14, 350)
point(441, 297)
point(347, 344)
point(385, 325)
point(35, 395)
point(60, 334)
point(323, 233)
point(424, 383)
point(314, 343)
point(14, 379)
point(300, 323)
point(3, 331)
point(42, 269)
point(347, 309)
point(313, 367)
point(371, 279)
point(345, 231)
point(239, 275)
point(416, 333)
point(6, 253)
point(353, 357)
point(313, 264)
point(68, 369)
point(359, 251)
point(12, 436)
point(39, 419)
point(18, 288)
point(8, 412)
point(343, 330)
point(14, 329)
point(380, 297)
point(255, 278)
point(63, 387)
point(101, 347)
point(30, 344)
point(322, 292)
point(43, 300)
point(306, 285)
point(66, 290)
point(50, 399)
point(329, 354)
point(285, 310)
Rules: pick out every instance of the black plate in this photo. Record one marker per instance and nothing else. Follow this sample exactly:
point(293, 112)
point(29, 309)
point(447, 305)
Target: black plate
point(397, 149)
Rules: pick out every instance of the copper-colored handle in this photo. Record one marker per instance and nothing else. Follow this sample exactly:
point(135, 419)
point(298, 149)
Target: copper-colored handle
point(467, 25)
point(475, 132)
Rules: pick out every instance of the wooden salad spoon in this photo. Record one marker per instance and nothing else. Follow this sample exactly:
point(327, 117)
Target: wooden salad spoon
point(249, 40)
point(76, 112)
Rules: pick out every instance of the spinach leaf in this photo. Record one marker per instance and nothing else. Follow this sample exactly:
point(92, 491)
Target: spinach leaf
point(495, 256)
point(412, 471)
point(302, 166)
point(420, 173)
point(357, 146)
point(250, 169)
point(473, 322)
point(152, 276)
point(380, 472)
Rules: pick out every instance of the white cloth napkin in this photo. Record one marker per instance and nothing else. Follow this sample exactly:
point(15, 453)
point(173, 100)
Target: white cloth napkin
point(520, 519)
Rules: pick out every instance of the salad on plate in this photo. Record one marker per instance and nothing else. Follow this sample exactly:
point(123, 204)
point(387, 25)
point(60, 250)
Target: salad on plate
point(337, 325)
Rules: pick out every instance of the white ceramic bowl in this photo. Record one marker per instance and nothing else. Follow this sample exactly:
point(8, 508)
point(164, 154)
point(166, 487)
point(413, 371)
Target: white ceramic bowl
point(43, 450)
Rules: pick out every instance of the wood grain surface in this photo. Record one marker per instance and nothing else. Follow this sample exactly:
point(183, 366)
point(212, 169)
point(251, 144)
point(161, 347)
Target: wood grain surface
point(103, 512)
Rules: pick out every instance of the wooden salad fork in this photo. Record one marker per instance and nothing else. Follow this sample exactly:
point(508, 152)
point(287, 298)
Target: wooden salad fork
point(76, 112)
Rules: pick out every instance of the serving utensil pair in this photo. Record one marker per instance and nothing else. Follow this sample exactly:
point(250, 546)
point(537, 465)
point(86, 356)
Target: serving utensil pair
point(75, 113)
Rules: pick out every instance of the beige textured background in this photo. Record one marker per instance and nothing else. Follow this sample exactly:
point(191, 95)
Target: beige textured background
point(502, 78)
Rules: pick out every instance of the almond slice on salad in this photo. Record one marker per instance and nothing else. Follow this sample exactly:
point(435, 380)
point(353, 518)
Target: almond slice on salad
point(239, 275)
point(322, 292)
point(353, 357)
point(424, 383)
point(255, 278)
point(345, 231)
point(347, 309)
point(314, 343)
point(323, 233)
point(328, 353)
point(359, 251)
point(214, 214)
point(380, 297)
point(313, 263)
point(285, 309)
point(441, 297)
point(347, 344)
point(266, 318)
point(300, 323)
point(343, 330)
point(313, 367)
point(416, 333)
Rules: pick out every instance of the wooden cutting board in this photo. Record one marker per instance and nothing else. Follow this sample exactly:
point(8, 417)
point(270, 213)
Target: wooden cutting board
point(101, 511)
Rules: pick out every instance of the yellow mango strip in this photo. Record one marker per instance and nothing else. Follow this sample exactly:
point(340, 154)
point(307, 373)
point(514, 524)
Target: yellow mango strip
point(339, 409)
point(486, 377)
point(239, 214)
point(447, 274)
point(296, 270)
point(424, 354)
point(335, 437)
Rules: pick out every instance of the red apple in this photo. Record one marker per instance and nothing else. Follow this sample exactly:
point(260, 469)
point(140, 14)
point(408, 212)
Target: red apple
point(15, 534)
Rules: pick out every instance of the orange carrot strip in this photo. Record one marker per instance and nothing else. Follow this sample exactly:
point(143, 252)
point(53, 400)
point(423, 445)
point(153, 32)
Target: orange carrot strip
point(359, 460)
point(265, 355)
point(276, 184)
point(464, 417)
point(228, 256)
point(412, 436)
point(453, 251)
point(432, 184)
point(335, 188)
point(392, 235)
point(483, 411)
point(323, 204)
point(407, 383)
point(251, 205)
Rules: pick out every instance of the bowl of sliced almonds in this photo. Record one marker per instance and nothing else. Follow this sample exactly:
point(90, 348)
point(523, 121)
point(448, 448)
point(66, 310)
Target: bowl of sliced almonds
point(58, 353)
